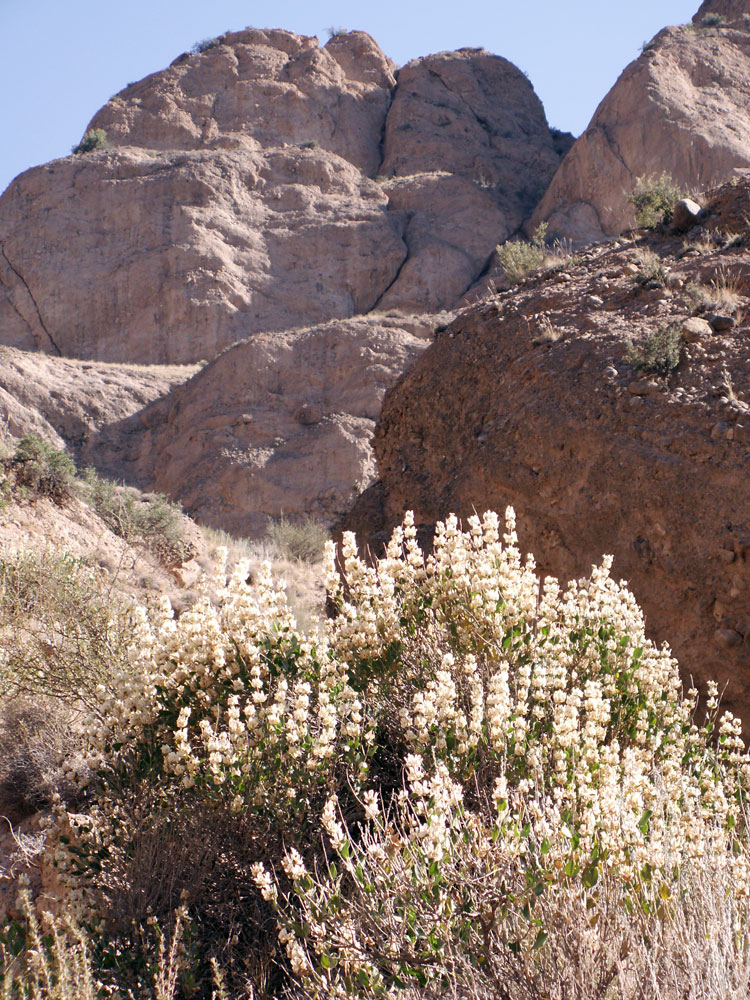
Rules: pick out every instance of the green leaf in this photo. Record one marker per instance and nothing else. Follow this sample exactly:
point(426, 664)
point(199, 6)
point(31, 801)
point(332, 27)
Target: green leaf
point(325, 962)
point(545, 848)
point(643, 822)
point(590, 876)
point(540, 939)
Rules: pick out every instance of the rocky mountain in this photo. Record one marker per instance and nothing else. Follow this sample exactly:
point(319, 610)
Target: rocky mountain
point(559, 398)
point(278, 423)
point(266, 183)
point(682, 107)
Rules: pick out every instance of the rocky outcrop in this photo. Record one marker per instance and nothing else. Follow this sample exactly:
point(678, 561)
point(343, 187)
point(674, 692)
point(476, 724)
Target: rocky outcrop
point(65, 402)
point(263, 86)
point(682, 107)
point(266, 183)
point(533, 399)
point(171, 257)
point(467, 166)
point(278, 424)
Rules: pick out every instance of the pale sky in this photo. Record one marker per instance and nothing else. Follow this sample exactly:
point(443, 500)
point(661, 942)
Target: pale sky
point(61, 61)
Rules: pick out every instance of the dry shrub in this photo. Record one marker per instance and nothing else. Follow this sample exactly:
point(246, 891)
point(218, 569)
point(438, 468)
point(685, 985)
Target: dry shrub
point(152, 521)
point(720, 295)
point(62, 627)
point(651, 270)
point(303, 539)
point(42, 470)
point(35, 739)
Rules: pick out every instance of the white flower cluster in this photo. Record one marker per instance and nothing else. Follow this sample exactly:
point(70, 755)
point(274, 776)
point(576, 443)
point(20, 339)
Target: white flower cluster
point(518, 727)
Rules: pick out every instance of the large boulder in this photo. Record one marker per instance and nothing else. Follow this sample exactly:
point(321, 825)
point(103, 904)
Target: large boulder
point(681, 108)
point(467, 155)
point(535, 399)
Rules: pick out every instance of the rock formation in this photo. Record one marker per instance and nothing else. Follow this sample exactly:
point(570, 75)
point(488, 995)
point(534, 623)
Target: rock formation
point(266, 183)
point(534, 399)
point(280, 423)
point(682, 107)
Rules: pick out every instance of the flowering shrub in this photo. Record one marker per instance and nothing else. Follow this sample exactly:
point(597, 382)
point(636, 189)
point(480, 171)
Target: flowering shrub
point(464, 773)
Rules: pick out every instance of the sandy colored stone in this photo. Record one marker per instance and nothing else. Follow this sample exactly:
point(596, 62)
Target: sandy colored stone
point(266, 86)
point(269, 183)
point(64, 401)
point(682, 107)
point(279, 424)
point(172, 256)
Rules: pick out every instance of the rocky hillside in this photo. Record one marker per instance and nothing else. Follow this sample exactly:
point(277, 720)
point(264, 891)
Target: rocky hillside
point(267, 183)
point(560, 397)
point(682, 107)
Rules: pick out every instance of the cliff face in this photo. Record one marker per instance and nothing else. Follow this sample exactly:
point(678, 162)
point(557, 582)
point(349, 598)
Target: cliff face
point(682, 107)
point(268, 183)
point(533, 399)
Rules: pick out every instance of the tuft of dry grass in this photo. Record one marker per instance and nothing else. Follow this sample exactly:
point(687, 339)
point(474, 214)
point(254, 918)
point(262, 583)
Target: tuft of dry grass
point(720, 295)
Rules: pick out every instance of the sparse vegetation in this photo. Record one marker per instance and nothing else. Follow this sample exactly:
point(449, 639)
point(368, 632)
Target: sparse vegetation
point(520, 258)
point(95, 138)
point(659, 353)
point(205, 44)
point(42, 470)
point(62, 627)
point(720, 295)
point(653, 199)
point(651, 270)
point(302, 539)
point(154, 522)
point(713, 21)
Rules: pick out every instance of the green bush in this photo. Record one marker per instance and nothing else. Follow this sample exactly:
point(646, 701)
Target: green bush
point(659, 353)
point(651, 270)
point(653, 199)
point(155, 522)
point(713, 21)
point(519, 258)
point(95, 138)
point(471, 783)
point(205, 44)
point(61, 628)
point(39, 467)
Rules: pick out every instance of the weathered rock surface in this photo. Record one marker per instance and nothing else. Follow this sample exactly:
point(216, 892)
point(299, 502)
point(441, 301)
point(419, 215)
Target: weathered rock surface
point(682, 107)
point(528, 399)
point(238, 197)
point(267, 86)
point(169, 257)
point(280, 423)
point(65, 401)
point(468, 166)
point(732, 10)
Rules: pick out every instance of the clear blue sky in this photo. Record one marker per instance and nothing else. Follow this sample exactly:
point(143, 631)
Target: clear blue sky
point(60, 60)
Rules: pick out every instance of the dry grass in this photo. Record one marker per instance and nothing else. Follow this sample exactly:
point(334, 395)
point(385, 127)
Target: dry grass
point(720, 295)
point(651, 270)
